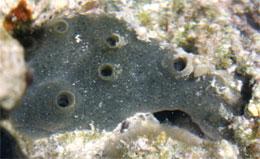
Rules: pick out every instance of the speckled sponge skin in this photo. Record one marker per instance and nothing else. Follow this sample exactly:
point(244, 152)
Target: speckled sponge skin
point(81, 75)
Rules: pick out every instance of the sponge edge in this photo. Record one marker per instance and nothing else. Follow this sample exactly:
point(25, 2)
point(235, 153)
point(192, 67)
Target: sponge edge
point(142, 136)
point(179, 65)
point(146, 123)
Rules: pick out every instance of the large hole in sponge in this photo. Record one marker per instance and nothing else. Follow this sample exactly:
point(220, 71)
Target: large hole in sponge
point(180, 63)
point(106, 71)
point(65, 99)
point(113, 41)
point(180, 119)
